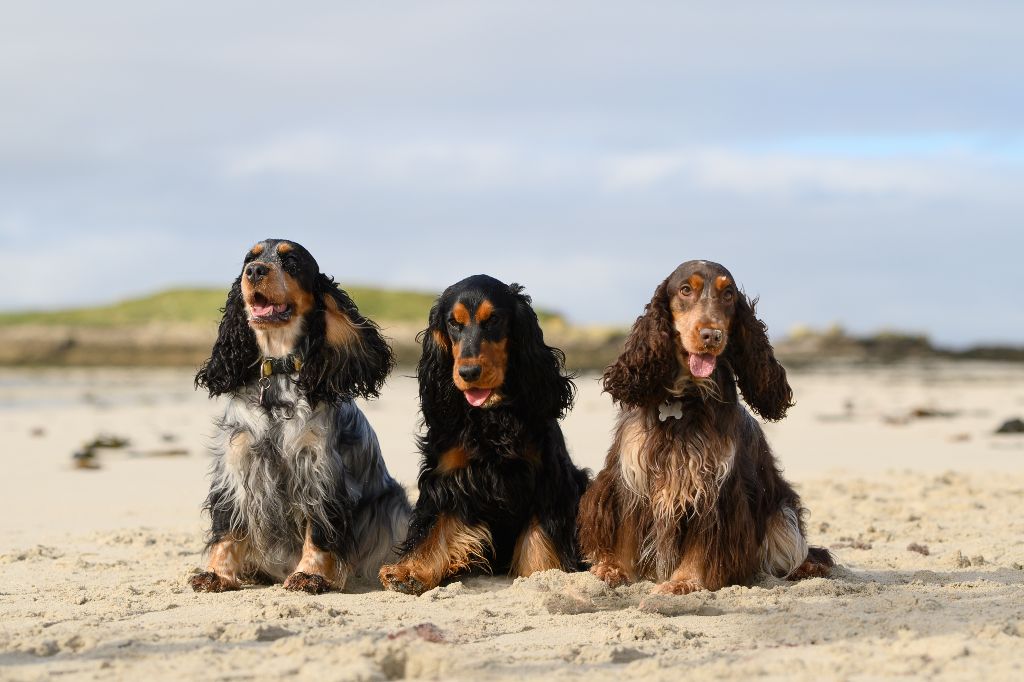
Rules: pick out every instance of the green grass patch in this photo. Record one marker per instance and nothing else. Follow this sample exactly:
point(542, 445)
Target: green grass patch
point(202, 306)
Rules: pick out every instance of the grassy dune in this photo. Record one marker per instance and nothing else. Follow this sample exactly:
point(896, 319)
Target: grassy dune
point(178, 326)
point(202, 306)
point(175, 305)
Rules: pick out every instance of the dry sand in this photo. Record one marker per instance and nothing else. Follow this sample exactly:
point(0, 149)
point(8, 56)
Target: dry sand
point(94, 563)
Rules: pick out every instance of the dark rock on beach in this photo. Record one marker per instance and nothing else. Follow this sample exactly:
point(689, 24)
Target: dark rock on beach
point(1012, 426)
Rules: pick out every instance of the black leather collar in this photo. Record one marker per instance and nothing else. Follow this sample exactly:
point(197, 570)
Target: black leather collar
point(286, 365)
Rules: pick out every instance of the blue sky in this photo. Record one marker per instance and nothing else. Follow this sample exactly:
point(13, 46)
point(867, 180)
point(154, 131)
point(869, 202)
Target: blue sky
point(860, 163)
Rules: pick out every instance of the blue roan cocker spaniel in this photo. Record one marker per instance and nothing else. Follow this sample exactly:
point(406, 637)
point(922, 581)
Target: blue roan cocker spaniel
point(299, 490)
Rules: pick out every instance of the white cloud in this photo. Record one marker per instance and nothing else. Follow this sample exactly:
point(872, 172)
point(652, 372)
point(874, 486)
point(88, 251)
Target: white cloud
point(451, 164)
point(466, 165)
point(724, 170)
point(462, 162)
point(732, 171)
point(641, 170)
point(299, 154)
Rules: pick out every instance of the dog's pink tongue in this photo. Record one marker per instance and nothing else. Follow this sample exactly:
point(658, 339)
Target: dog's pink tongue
point(477, 396)
point(265, 310)
point(702, 364)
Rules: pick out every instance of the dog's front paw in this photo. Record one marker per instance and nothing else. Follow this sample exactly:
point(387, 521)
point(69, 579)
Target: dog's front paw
point(310, 583)
point(677, 587)
point(810, 569)
point(400, 578)
point(612, 575)
point(208, 581)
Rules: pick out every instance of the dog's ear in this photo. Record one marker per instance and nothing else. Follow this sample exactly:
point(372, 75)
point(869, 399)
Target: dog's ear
point(762, 378)
point(235, 355)
point(439, 398)
point(648, 364)
point(344, 354)
point(536, 375)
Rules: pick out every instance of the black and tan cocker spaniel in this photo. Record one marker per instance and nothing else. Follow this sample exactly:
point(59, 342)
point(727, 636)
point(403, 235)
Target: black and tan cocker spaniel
point(497, 488)
point(299, 490)
point(691, 495)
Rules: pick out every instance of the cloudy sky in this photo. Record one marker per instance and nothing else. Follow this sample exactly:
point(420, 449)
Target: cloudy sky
point(860, 163)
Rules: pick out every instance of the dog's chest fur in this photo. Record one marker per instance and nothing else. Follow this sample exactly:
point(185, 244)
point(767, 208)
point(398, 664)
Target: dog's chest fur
point(277, 465)
point(291, 427)
point(676, 466)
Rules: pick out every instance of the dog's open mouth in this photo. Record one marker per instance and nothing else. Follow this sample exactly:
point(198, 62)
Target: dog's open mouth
point(702, 364)
point(265, 310)
point(482, 397)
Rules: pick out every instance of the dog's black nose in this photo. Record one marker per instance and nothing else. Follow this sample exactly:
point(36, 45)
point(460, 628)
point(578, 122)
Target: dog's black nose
point(470, 372)
point(254, 272)
point(710, 337)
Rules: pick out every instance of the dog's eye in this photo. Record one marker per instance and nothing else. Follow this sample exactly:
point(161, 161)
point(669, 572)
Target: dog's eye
point(454, 324)
point(686, 290)
point(729, 295)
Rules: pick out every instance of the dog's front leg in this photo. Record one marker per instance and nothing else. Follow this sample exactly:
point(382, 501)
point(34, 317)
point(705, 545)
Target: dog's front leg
point(718, 550)
point(319, 570)
point(534, 551)
point(618, 566)
point(607, 532)
point(688, 575)
point(451, 546)
point(228, 562)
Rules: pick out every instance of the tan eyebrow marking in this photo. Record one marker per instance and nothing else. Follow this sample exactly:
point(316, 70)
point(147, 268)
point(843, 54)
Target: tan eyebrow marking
point(284, 247)
point(460, 313)
point(484, 311)
point(697, 282)
point(722, 282)
point(256, 250)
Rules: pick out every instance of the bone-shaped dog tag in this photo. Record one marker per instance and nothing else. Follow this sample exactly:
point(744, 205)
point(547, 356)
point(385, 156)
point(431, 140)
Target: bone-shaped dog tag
point(670, 408)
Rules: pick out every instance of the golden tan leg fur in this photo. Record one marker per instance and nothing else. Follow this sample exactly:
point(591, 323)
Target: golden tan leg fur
point(318, 571)
point(534, 551)
point(451, 546)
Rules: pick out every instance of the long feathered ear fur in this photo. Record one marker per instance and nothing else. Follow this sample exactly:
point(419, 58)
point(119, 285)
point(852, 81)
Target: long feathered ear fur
point(356, 364)
point(762, 379)
point(235, 355)
point(647, 365)
point(439, 398)
point(536, 372)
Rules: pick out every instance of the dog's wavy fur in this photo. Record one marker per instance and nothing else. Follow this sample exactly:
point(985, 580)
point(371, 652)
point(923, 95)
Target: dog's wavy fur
point(695, 501)
point(299, 489)
point(497, 489)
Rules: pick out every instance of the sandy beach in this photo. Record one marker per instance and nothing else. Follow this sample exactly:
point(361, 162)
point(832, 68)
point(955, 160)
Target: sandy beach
point(906, 481)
